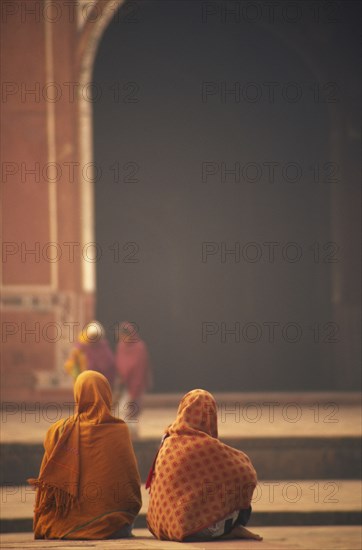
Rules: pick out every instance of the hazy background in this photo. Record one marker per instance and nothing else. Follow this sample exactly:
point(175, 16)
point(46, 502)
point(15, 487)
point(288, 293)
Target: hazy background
point(153, 133)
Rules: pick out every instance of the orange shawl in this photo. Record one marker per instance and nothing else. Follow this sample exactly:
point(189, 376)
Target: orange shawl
point(89, 485)
point(197, 480)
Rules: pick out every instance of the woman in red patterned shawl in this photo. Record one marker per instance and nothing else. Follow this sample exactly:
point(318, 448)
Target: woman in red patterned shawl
point(200, 488)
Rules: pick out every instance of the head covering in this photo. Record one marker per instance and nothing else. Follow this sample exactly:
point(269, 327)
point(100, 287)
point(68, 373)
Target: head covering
point(128, 332)
point(196, 413)
point(91, 450)
point(197, 480)
point(93, 398)
point(92, 332)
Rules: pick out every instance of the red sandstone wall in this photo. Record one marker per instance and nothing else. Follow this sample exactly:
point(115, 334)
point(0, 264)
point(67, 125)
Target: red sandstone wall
point(42, 287)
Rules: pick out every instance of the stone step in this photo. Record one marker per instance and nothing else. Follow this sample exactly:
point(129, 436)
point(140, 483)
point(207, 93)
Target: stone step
point(295, 502)
point(273, 457)
point(154, 400)
point(171, 400)
point(263, 417)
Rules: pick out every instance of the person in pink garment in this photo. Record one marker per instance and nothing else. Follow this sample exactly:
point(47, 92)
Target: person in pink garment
point(133, 366)
point(92, 352)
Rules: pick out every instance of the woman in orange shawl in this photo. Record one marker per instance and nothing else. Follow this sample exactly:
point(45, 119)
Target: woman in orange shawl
point(89, 485)
point(200, 488)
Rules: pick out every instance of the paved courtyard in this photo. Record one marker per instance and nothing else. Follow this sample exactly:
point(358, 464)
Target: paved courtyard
point(275, 538)
point(260, 416)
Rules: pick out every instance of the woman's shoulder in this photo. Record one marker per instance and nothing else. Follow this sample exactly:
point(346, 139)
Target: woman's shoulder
point(58, 425)
point(232, 451)
point(56, 430)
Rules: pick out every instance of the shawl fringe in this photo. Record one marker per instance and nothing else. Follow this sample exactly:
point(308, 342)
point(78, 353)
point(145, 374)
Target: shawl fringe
point(52, 496)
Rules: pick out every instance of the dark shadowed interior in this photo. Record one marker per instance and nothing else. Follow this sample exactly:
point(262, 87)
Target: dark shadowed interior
point(217, 198)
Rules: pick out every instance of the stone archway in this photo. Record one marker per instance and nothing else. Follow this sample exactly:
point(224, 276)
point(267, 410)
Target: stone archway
point(93, 28)
point(343, 308)
point(297, 53)
point(38, 210)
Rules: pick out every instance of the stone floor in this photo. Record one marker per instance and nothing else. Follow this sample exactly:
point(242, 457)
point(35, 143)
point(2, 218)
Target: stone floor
point(240, 416)
point(275, 538)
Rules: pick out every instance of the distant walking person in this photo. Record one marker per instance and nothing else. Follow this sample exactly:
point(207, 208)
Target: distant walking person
point(132, 362)
point(201, 489)
point(92, 352)
point(89, 485)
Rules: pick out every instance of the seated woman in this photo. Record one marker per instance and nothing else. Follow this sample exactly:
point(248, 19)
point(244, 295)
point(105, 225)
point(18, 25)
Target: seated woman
point(89, 485)
point(200, 488)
